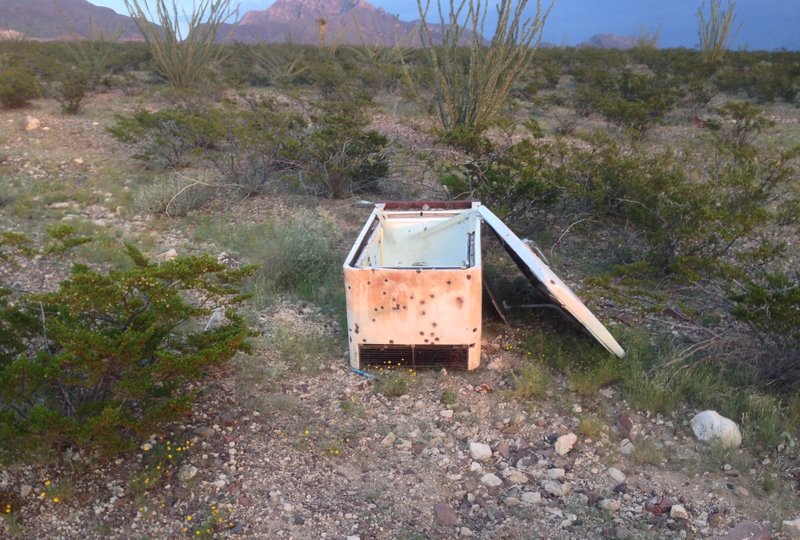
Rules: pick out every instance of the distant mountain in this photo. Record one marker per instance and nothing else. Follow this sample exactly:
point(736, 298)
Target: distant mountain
point(330, 21)
point(610, 41)
point(62, 19)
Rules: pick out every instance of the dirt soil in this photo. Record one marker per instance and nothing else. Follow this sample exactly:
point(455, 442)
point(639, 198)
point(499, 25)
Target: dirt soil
point(320, 454)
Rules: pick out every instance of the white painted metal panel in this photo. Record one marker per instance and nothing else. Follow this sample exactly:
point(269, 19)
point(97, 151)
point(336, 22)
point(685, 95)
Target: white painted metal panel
point(538, 272)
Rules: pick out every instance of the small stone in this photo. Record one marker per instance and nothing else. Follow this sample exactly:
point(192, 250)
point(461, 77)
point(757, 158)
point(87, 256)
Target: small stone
point(792, 528)
point(168, 255)
point(447, 414)
point(556, 488)
point(741, 492)
point(512, 502)
point(78, 161)
point(616, 474)
point(389, 439)
point(610, 505)
point(146, 447)
point(471, 484)
point(219, 484)
point(491, 480)
point(678, 511)
point(205, 432)
point(626, 447)
point(353, 537)
point(621, 533)
point(565, 443)
point(480, 451)
point(716, 519)
point(747, 530)
point(32, 123)
point(531, 497)
point(517, 477)
point(555, 474)
point(187, 472)
point(444, 515)
point(25, 490)
point(466, 532)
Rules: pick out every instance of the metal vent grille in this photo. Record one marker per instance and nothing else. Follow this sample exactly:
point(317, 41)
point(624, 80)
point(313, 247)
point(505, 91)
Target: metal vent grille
point(414, 356)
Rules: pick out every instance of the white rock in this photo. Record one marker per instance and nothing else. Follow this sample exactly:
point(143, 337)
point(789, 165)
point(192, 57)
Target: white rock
point(168, 255)
point(792, 528)
point(146, 447)
point(187, 472)
point(389, 439)
point(78, 161)
point(626, 447)
point(565, 443)
point(556, 488)
point(616, 474)
point(678, 511)
point(610, 505)
point(491, 480)
point(517, 477)
point(710, 426)
point(447, 413)
point(480, 451)
point(531, 497)
point(25, 490)
point(555, 474)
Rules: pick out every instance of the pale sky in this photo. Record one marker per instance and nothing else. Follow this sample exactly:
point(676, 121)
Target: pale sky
point(765, 24)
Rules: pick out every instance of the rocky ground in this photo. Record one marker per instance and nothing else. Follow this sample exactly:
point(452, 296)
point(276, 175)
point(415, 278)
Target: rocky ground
point(322, 455)
point(276, 451)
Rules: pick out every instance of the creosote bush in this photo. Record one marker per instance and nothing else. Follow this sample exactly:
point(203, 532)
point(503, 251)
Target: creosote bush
point(108, 357)
point(17, 87)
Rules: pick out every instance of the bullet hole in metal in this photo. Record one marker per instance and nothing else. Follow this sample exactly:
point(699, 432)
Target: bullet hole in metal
point(474, 329)
point(469, 276)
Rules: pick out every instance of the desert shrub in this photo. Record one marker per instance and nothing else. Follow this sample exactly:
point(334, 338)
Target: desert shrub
point(510, 180)
point(70, 91)
point(251, 156)
point(174, 195)
point(107, 358)
point(338, 157)
point(770, 304)
point(17, 87)
point(739, 123)
point(167, 137)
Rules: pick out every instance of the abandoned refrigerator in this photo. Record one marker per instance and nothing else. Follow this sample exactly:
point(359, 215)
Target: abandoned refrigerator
point(413, 283)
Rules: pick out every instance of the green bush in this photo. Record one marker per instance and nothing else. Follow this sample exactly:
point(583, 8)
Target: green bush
point(167, 137)
point(339, 157)
point(17, 87)
point(104, 360)
point(70, 91)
